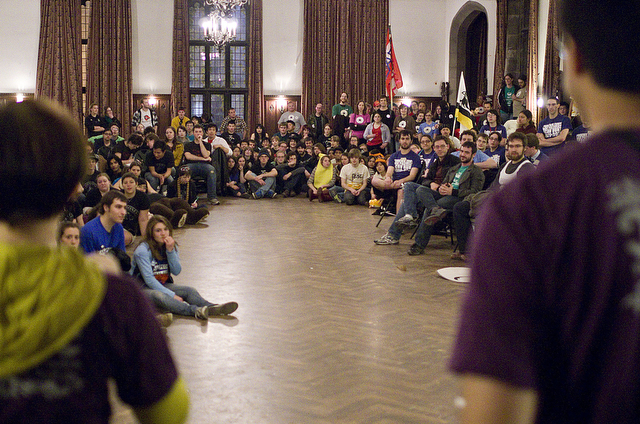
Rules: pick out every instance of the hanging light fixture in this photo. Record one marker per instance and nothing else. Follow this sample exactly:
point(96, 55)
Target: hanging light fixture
point(221, 25)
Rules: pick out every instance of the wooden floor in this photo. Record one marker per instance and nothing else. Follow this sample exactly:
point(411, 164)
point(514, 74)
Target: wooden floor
point(330, 329)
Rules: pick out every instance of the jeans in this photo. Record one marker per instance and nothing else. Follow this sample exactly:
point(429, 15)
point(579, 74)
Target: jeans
point(155, 181)
point(204, 170)
point(416, 194)
point(295, 183)
point(191, 297)
point(462, 222)
point(269, 183)
point(423, 234)
point(361, 199)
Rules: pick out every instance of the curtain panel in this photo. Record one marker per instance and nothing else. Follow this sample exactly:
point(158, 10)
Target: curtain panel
point(180, 59)
point(532, 71)
point(59, 68)
point(552, 55)
point(255, 98)
point(343, 51)
point(501, 50)
point(109, 69)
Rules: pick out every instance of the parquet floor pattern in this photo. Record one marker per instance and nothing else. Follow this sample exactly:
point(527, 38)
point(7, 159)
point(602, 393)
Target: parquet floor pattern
point(331, 328)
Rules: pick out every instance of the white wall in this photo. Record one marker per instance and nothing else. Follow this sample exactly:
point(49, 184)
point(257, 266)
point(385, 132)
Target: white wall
point(490, 7)
point(152, 45)
point(419, 37)
point(282, 42)
point(19, 35)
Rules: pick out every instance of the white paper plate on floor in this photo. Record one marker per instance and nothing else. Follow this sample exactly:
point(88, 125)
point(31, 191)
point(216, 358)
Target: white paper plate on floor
point(459, 274)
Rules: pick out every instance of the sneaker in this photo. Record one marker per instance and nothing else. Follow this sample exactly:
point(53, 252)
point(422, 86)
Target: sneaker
point(223, 309)
point(404, 222)
point(459, 256)
point(165, 320)
point(201, 312)
point(336, 197)
point(286, 193)
point(415, 250)
point(386, 239)
point(214, 201)
point(436, 215)
point(270, 193)
point(245, 195)
point(257, 195)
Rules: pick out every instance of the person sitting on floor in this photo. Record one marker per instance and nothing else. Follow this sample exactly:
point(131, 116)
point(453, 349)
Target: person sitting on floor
point(321, 179)
point(262, 176)
point(105, 230)
point(292, 176)
point(155, 260)
point(353, 178)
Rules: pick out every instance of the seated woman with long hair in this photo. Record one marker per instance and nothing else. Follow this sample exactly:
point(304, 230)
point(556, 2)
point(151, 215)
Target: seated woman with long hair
point(235, 185)
point(174, 145)
point(155, 261)
point(321, 179)
point(115, 168)
point(259, 134)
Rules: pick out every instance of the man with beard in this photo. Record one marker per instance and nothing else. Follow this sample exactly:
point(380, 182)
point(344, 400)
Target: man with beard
point(461, 180)
point(516, 165)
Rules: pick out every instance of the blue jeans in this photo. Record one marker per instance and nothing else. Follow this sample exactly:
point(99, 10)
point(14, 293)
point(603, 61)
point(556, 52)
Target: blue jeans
point(269, 183)
point(191, 297)
point(416, 194)
point(205, 170)
point(155, 182)
point(423, 234)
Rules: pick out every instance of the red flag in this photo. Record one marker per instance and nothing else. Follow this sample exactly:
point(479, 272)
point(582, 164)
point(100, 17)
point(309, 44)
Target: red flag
point(394, 79)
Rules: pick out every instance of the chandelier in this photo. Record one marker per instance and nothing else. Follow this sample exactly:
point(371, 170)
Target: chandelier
point(220, 27)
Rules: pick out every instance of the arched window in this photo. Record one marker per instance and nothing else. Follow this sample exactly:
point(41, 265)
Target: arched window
point(217, 78)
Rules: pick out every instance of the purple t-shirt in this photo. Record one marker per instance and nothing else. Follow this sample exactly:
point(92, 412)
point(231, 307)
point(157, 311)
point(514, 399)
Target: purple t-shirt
point(122, 341)
point(557, 308)
point(552, 128)
point(402, 164)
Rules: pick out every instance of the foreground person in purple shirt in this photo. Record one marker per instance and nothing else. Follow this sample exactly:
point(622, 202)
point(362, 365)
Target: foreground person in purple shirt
point(67, 327)
point(550, 328)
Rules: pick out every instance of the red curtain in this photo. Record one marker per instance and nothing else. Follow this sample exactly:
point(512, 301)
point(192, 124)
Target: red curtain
point(255, 99)
point(343, 51)
point(59, 70)
point(180, 65)
point(109, 70)
point(501, 50)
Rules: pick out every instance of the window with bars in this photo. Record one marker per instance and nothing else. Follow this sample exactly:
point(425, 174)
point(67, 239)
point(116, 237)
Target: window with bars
point(217, 78)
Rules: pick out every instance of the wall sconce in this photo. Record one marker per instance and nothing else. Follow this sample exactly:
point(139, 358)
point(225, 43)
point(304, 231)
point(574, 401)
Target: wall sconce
point(282, 103)
point(19, 98)
point(153, 101)
point(540, 102)
point(406, 101)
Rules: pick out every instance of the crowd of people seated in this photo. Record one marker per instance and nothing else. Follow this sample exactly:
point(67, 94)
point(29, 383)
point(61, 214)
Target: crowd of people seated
point(371, 155)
